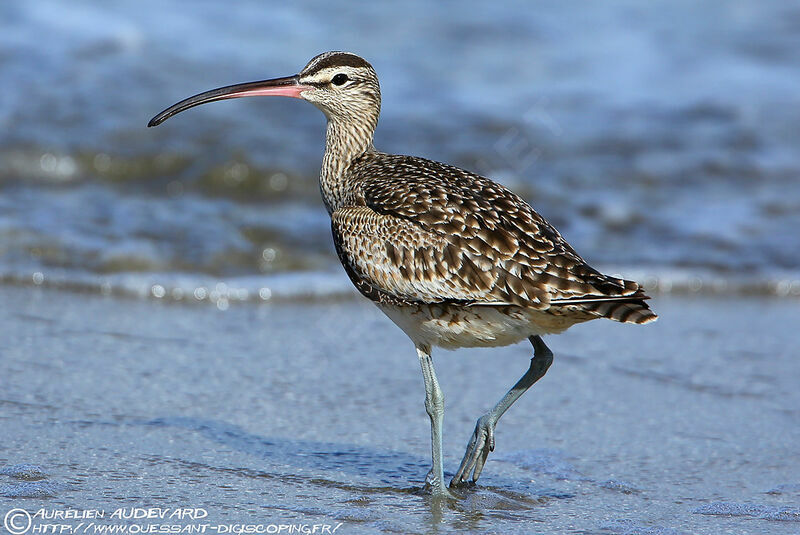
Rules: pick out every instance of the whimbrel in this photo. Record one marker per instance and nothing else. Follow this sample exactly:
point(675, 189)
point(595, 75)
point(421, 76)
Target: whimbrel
point(453, 258)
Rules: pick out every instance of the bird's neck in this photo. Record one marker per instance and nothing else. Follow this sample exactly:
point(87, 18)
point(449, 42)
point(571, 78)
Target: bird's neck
point(344, 142)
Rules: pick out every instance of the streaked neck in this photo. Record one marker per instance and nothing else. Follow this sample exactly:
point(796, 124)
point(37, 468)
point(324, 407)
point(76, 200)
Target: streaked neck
point(344, 142)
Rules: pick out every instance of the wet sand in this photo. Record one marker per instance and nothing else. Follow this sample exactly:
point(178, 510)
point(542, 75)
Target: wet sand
point(304, 414)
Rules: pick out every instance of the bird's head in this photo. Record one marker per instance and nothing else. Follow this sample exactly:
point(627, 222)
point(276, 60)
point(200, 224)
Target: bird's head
point(343, 85)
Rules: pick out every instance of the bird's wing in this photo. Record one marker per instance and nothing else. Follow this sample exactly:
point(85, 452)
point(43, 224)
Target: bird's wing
point(441, 234)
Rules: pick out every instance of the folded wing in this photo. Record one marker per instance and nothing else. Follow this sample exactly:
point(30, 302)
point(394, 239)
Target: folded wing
point(444, 235)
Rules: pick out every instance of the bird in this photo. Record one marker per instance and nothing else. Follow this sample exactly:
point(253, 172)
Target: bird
point(454, 259)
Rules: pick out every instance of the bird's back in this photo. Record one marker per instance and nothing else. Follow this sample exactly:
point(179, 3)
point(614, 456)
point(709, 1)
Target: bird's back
point(415, 231)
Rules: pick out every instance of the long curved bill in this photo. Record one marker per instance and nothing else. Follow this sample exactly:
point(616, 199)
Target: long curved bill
point(283, 87)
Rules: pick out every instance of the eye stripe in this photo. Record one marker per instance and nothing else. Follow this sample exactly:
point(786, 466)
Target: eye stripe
point(321, 84)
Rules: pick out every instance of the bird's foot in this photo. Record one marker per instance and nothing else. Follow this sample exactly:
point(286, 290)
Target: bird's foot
point(480, 444)
point(436, 486)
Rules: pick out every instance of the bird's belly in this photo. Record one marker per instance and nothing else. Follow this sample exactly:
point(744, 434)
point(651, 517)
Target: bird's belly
point(451, 326)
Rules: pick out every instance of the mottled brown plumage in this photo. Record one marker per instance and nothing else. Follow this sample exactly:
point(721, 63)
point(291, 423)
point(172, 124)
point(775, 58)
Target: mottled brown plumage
point(454, 259)
point(414, 231)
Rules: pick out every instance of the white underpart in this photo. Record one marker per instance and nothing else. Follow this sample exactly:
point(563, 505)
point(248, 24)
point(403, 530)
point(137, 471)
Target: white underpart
point(451, 327)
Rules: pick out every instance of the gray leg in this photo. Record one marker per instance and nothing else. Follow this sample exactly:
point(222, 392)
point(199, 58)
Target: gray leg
point(434, 405)
point(482, 441)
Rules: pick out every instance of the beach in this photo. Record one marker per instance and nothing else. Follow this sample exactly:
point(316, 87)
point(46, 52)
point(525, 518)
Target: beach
point(182, 352)
point(303, 413)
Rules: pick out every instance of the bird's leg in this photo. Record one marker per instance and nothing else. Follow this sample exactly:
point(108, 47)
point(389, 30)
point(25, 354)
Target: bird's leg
point(482, 440)
point(434, 406)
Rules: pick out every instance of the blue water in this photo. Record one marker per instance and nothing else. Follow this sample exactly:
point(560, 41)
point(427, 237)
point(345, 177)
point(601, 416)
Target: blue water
point(659, 137)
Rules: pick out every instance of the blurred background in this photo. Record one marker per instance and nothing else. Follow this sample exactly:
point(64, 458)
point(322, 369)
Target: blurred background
point(660, 138)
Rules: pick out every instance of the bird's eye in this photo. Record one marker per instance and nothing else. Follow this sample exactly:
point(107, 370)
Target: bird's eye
point(339, 79)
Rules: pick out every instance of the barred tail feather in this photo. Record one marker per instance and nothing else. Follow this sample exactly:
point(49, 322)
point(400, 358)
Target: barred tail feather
point(623, 311)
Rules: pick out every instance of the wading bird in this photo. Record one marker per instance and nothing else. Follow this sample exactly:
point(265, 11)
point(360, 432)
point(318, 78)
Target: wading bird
point(453, 258)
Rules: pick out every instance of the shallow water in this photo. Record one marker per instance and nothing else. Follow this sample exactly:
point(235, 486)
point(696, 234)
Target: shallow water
point(660, 139)
point(313, 414)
